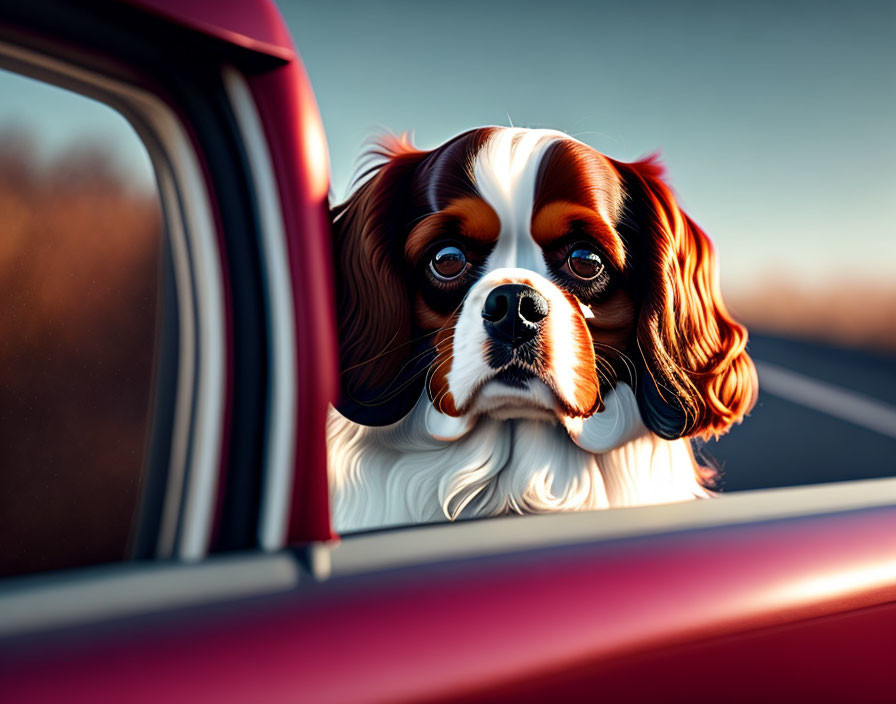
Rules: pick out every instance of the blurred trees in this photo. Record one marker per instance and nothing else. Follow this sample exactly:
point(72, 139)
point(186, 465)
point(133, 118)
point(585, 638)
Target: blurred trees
point(79, 260)
point(848, 312)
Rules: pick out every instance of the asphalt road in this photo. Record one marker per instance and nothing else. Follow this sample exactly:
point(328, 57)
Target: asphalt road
point(824, 414)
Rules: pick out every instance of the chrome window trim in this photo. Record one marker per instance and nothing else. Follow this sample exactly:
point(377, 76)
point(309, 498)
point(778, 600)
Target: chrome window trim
point(91, 595)
point(420, 544)
point(281, 416)
point(199, 409)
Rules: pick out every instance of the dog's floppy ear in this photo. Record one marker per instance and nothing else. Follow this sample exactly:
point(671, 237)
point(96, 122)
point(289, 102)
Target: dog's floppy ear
point(382, 371)
point(697, 378)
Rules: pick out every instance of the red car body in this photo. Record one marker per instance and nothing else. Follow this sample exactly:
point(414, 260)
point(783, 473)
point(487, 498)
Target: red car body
point(760, 599)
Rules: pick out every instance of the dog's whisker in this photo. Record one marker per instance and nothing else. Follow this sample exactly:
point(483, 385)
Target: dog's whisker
point(389, 393)
point(629, 364)
point(383, 398)
point(389, 350)
point(419, 338)
point(435, 370)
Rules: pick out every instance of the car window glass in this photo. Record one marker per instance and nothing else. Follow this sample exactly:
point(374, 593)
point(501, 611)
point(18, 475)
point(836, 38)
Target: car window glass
point(80, 237)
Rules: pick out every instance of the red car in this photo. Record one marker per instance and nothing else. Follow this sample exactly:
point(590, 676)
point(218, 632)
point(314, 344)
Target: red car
point(235, 587)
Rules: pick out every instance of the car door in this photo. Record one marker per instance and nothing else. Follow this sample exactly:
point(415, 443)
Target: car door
point(234, 586)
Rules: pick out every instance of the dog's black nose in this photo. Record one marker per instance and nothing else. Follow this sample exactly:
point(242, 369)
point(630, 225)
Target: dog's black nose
point(513, 313)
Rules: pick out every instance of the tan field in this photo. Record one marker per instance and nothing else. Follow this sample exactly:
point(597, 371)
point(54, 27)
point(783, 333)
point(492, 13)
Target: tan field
point(78, 266)
point(853, 315)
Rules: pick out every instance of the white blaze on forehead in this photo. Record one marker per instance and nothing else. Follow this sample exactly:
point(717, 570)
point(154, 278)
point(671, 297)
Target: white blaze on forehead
point(505, 171)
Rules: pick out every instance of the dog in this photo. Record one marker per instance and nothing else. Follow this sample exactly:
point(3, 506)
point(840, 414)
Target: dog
point(526, 326)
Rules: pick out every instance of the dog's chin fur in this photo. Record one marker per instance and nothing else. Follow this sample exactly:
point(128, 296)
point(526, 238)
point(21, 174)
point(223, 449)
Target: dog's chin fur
point(507, 459)
point(501, 402)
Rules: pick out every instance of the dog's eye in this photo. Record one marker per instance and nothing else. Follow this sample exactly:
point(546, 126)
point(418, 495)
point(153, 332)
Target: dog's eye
point(448, 263)
point(585, 263)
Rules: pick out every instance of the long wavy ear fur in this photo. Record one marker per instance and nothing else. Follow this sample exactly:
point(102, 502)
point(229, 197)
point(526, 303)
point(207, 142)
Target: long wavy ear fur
point(382, 372)
point(697, 378)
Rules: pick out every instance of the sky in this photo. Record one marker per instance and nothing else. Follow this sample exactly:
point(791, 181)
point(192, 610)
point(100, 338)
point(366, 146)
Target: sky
point(776, 121)
point(56, 121)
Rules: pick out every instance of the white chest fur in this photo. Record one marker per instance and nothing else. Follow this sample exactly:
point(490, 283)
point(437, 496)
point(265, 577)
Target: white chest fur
point(409, 473)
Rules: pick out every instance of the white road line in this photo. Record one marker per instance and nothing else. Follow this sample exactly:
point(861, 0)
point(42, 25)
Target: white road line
point(827, 398)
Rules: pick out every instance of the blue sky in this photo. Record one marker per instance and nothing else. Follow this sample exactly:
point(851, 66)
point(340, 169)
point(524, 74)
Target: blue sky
point(777, 121)
point(57, 121)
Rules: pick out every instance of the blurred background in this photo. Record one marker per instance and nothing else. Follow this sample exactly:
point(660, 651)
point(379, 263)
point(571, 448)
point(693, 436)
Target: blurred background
point(80, 245)
point(775, 121)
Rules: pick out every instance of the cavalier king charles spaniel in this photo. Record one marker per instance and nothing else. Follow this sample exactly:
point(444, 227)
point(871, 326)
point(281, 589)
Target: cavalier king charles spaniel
point(526, 325)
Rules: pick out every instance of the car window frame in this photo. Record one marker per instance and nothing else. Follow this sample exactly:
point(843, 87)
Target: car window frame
point(196, 420)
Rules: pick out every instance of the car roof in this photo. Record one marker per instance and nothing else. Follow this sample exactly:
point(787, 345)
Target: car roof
point(255, 25)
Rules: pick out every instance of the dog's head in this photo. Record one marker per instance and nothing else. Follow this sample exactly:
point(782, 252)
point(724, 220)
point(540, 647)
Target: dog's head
point(520, 273)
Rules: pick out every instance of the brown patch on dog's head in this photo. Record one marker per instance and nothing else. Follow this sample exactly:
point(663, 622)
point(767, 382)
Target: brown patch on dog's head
point(383, 353)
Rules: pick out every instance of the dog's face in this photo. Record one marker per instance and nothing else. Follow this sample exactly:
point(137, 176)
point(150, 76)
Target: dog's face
point(520, 274)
